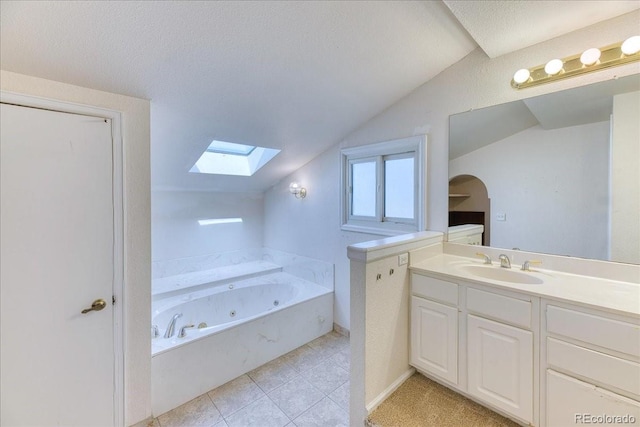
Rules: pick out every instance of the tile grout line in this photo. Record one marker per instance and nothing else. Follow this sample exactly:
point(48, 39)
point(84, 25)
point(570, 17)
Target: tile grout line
point(269, 397)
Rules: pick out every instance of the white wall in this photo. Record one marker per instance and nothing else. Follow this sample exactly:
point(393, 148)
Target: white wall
point(311, 226)
point(474, 82)
point(177, 234)
point(625, 176)
point(137, 228)
point(538, 178)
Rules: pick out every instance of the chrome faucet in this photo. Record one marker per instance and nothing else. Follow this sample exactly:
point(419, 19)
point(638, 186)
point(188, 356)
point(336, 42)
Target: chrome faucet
point(172, 325)
point(487, 258)
point(183, 332)
point(504, 261)
point(527, 264)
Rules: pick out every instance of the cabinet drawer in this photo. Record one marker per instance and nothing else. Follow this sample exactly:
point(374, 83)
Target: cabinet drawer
point(500, 307)
point(600, 367)
point(434, 289)
point(570, 400)
point(608, 333)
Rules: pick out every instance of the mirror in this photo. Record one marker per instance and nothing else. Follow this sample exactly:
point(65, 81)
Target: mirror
point(556, 174)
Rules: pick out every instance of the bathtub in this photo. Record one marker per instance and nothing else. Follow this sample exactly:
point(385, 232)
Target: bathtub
point(242, 325)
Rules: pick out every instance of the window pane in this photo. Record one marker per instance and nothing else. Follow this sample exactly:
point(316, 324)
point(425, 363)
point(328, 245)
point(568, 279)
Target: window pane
point(363, 183)
point(399, 188)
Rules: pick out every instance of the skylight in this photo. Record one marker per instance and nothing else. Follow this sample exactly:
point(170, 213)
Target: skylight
point(223, 147)
point(228, 158)
point(213, 221)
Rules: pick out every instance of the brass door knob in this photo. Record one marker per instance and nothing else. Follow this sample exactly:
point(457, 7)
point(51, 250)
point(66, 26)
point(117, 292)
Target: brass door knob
point(97, 305)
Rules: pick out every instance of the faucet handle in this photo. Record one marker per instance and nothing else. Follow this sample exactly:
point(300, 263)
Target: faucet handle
point(183, 332)
point(527, 264)
point(487, 258)
point(155, 333)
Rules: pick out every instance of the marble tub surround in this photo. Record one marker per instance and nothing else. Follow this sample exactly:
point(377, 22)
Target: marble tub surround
point(308, 386)
point(297, 291)
point(310, 269)
point(172, 285)
point(601, 284)
point(252, 305)
point(176, 266)
point(180, 273)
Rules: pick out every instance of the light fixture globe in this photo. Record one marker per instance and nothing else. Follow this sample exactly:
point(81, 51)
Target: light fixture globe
point(294, 187)
point(297, 190)
point(553, 67)
point(631, 46)
point(593, 59)
point(521, 76)
point(590, 56)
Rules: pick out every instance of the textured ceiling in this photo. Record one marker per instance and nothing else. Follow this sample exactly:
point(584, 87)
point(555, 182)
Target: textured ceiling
point(296, 76)
point(504, 26)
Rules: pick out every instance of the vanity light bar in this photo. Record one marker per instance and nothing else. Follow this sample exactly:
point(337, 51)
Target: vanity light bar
point(590, 60)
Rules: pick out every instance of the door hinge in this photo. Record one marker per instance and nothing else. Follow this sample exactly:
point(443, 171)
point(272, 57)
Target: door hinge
point(113, 300)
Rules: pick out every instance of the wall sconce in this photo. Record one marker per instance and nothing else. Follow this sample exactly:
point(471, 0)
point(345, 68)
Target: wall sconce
point(297, 190)
point(590, 60)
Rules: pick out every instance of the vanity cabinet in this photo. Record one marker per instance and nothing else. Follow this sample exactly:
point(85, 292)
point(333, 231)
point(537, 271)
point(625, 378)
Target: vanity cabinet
point(497, 355)
point(434, 327)
point(564, 351)
point(434, 340)
point(500, 351)
point(500, 366)
point(591, 365)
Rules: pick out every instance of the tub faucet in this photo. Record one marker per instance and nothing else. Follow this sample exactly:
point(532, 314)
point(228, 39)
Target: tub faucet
point(172, 325)
point(183, 331)
point(504, 261)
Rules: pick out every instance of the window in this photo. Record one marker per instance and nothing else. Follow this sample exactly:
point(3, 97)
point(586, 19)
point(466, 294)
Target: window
point(383, 187)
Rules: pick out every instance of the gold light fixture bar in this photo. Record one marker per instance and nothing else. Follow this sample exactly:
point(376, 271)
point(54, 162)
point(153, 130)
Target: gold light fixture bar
point(558, 69)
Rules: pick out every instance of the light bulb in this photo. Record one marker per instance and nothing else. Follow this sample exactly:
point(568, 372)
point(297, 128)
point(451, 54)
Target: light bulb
point(521, 76)
point(590, 56)
point(294, 187)
point(631, 46)
point(553, 67)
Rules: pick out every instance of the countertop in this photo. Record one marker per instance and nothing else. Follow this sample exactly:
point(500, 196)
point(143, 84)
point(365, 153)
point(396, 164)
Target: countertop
point(609, 295)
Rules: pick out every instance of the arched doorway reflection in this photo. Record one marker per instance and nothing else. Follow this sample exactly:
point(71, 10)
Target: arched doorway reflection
point(469, 203)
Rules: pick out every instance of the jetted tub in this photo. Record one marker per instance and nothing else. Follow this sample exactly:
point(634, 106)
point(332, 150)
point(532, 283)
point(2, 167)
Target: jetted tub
point(243, 325)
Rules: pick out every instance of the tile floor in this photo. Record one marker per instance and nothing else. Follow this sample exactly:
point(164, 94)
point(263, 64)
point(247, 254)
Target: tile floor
point(306, 387)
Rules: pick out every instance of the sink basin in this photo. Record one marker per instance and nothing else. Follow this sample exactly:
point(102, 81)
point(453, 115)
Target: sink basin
point(502, 274)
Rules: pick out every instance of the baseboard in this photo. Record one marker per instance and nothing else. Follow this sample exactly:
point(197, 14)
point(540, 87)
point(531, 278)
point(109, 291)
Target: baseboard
point(341, 330)
point(387, 391)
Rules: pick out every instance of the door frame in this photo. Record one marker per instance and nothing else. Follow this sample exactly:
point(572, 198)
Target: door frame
point(118, 221)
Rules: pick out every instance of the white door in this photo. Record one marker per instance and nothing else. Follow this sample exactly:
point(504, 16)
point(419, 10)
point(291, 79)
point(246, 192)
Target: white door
point(500, 366)
point(434, 338)
point(57, 258)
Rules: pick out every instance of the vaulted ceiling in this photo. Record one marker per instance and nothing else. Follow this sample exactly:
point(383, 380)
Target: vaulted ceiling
point(296, 76)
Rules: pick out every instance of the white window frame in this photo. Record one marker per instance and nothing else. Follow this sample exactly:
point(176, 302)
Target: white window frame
point(415, 147)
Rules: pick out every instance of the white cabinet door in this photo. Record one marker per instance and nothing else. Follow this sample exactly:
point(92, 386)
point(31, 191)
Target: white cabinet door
point(574, 402)
point(500, 366)
point(434, 338)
